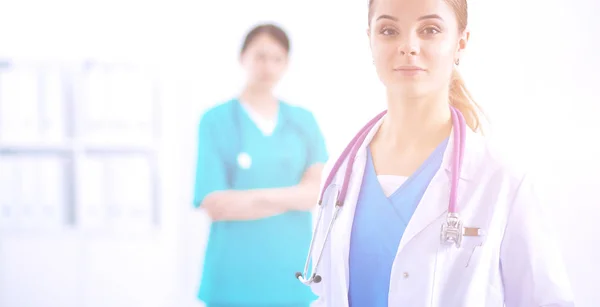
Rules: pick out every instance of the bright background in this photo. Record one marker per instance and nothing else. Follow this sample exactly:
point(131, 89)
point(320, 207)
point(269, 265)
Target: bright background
point(100, 100)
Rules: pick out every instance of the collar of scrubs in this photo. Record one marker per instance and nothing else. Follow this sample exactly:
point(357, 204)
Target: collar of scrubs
point(265, 125)
point(390, 183)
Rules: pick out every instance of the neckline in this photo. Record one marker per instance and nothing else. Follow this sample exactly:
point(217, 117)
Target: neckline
point(371, 165)
point(241, 108)
point(265, 125)
point(252, 111)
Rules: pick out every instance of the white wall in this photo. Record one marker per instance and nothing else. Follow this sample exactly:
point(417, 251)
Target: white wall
point(531, 65)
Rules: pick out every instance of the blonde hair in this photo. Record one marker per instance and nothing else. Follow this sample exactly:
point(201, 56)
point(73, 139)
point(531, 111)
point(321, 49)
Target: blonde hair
point(459, 96)
point(461, 99)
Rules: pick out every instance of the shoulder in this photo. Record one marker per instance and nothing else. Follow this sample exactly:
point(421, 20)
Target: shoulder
point(495, 157)
point(218, 112)
point(495, 182)
point(298, 113)
point(492, 163)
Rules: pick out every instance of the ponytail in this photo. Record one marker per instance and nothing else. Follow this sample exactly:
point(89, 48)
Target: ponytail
point(461, 99)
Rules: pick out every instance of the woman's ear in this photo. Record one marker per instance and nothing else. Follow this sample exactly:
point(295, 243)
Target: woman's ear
point(462, 44)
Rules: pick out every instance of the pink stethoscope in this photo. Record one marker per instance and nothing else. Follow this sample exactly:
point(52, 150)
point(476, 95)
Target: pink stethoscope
point(452, 229)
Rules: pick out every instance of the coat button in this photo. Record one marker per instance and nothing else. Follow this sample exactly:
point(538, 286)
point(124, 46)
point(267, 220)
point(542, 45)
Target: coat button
point(405, 274)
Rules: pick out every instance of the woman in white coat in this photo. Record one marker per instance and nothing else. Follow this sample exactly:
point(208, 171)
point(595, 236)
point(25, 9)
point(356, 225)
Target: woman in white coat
point(394, 242)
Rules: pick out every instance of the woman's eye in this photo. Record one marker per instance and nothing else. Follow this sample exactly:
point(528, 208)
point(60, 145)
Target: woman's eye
point(388, 31)
point(431, 31)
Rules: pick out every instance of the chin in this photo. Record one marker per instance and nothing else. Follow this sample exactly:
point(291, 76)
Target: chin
point(405, 90)
point(263, 85)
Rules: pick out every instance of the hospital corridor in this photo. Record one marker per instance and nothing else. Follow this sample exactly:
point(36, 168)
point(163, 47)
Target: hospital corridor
point(171, 153)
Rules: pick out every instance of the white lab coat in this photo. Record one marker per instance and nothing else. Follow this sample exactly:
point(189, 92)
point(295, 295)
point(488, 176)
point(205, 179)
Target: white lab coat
point(515, 262)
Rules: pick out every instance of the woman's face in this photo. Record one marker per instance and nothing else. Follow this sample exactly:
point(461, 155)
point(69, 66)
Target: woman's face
point(415, 44)
point(265, 61)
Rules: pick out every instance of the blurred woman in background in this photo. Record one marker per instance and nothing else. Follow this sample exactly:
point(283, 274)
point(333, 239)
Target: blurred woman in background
point(258, 175)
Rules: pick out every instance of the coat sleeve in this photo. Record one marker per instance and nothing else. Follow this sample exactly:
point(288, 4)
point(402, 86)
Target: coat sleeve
point(532, 267)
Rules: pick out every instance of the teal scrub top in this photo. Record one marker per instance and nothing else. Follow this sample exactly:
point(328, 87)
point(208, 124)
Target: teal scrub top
point(253, 262)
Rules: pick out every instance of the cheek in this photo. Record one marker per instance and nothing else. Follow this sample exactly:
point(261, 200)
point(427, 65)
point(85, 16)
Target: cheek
point(439, 56)
point(384, 54)
point(282, 69)
point(276, 73)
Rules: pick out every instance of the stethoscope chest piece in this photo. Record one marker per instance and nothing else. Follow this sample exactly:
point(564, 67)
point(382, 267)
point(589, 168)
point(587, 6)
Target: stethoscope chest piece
point(452, 230)
point(244, 160)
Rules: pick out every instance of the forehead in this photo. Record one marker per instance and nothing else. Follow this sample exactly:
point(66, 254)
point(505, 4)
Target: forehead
point(264, 42)
point(411, 10)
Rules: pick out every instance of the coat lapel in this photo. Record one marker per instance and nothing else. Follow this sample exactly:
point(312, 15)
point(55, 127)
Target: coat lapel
point(436, 199)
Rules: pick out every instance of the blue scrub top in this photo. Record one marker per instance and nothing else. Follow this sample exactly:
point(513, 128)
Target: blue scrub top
point(253, 262)
point(379, 223)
